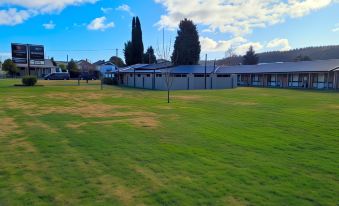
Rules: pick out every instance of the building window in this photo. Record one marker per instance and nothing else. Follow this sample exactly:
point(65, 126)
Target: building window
point(131, 75)
point(223, 75)
point(139, 75)
point(180, 75)
point(199, 75)
point(158, 75)
point(148, 75)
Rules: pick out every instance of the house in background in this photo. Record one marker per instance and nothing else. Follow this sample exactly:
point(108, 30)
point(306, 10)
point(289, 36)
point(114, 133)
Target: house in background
point(106, 69)
point(320, 74)
point(85, 66)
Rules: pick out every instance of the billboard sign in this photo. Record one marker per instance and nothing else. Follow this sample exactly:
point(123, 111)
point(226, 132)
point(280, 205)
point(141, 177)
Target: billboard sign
point(36, 55)
point(19, 53)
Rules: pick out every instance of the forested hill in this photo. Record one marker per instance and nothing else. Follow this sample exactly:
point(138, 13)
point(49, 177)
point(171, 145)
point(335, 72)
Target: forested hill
point(313, 53)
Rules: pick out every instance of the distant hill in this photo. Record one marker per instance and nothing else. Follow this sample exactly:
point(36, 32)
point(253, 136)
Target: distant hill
point(314, 53)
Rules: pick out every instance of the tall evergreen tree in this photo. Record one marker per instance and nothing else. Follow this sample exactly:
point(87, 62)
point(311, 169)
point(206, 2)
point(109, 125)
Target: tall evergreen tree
point(73, 69)
point(117, 61)
point(149, 56)
point(134, 49)
point(187, 45)
point(251, 58)
point(138, 46)
point(128, 53)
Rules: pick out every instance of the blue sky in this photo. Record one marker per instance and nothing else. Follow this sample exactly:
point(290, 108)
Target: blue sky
point(93, 29)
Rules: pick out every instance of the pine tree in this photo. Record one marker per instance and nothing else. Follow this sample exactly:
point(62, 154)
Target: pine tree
point(128, 53)
point(149, 56)
point(138, 46)
point(117, 61)
point(187, 45)
point(73, 69)
point(251, 58)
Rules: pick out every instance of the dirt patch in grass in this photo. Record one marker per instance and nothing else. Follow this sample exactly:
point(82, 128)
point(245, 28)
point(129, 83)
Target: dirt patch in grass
point(334, 106)
point(243, 103)
point(8, 126)
point(144, 122)
point(84, 110)
point(22, 144)
point(188, 98)
point(138, 121)
point(149, 175)
point(41, 125)
point(234, 201)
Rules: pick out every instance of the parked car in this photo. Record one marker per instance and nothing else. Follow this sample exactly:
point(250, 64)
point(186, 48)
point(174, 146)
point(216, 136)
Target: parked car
point(58, 76)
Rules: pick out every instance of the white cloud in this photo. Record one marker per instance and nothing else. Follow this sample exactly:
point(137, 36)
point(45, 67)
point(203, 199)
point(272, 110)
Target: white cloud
point(30, 8)
point(126, 8)
point(50, 25)
point(210, 45)
point(238, 17)
point(45, 6)
point(106, 10)
point(279, 44)
point(100, 24)
point(239, 44)
point(13, 17)
point(336, 28)
point(242, 49)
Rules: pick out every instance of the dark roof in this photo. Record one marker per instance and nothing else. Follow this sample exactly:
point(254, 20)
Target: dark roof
point(100, 62)
point(48, 64)
point(192, 69)
point(303, 66)
point(182, 69)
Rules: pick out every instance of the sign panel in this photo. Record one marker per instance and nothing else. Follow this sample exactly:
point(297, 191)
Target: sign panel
point(36, 54)
point(19, 53)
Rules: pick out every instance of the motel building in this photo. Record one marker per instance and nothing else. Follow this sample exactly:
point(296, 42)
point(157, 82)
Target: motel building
point(320, 74)
point(183, 77)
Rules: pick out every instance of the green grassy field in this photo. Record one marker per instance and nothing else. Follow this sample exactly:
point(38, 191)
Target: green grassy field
point(78, 145)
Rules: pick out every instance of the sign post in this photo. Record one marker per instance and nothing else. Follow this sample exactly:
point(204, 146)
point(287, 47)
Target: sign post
point(27, 55)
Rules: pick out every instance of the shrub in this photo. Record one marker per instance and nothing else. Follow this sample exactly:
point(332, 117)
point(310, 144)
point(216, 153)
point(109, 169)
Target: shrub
point(29, 81)
point(110, 81)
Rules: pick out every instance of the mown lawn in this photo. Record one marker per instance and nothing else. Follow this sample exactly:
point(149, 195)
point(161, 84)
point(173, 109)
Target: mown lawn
point(78, 145)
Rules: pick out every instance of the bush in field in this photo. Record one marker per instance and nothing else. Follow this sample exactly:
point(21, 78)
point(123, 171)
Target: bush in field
point(110, 81)
point(29, 81)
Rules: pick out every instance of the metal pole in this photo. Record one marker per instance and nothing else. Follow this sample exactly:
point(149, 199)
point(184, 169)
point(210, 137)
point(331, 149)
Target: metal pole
point(29, 60)
point(205, 71)
point(134, 76)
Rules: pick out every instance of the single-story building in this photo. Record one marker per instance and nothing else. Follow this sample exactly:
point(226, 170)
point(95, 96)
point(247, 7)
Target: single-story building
point(320, 74)
point(183, 77)
point(38, 70)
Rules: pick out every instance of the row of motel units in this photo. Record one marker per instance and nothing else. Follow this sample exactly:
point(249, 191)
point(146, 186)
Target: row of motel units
point(185, 77)
point(320, 74)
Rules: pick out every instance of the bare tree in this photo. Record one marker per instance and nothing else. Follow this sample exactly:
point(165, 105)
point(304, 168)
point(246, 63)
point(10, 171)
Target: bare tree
point(168, 78)
point(165, 51)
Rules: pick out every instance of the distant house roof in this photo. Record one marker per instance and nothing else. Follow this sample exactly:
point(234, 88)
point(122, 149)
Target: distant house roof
point(100, 62)
point(302, 66)
point(48, 64)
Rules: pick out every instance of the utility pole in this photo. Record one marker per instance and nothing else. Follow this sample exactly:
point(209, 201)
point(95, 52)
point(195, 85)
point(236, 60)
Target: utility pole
point(205, 71)
point(67, 58)
point(163, 42)
point(29, 60)
point(117, 52)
